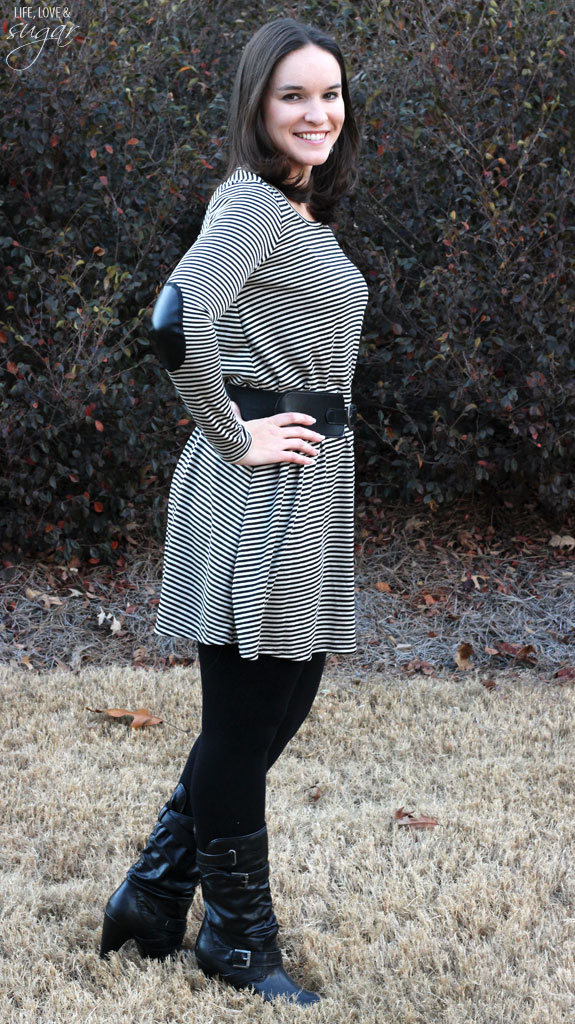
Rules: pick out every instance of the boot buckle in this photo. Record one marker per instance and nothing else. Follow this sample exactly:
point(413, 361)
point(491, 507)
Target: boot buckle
point(242, 878)
point(241, 957)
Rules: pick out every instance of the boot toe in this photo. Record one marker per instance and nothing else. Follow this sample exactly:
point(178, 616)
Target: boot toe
point(278, 984)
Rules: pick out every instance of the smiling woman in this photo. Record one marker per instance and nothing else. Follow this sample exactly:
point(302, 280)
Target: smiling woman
point(304, 121)
point(264, 309)
point(291, 119)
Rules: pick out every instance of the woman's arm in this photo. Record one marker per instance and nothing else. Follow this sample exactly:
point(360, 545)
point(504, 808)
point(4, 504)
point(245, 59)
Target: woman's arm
point(243, 231)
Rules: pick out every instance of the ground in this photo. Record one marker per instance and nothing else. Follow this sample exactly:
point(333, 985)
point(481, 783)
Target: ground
point(471, 920)
point(425, 586)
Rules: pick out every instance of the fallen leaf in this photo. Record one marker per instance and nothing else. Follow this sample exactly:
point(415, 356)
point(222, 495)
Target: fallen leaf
point(383, 587)
point(565, 673)
point(557, 541)
point(417, 665)
point(525, 653)
point(403, 817)
point(140, 718)
point(462, 656)
point(489, 684)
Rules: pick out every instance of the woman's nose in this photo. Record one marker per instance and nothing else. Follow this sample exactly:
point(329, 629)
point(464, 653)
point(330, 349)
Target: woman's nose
point(316, 112)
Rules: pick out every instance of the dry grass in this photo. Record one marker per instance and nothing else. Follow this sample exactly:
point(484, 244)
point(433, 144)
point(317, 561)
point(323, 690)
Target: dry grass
point(471, 922)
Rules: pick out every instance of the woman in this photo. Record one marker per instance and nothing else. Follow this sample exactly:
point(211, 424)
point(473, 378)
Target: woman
point(258, 327)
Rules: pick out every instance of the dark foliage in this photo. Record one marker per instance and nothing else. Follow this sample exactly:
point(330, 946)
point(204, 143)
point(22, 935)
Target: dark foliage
point(463, 224)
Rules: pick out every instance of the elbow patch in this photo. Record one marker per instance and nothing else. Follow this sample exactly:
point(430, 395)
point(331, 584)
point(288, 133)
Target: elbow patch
point(167, 330)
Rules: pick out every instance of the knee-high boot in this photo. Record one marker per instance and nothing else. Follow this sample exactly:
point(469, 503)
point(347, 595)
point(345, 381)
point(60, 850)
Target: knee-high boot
point(151, 904)
point(237, 939)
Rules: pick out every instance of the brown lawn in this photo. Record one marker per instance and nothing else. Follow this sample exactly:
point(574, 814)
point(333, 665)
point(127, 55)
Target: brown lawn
point(472, 921)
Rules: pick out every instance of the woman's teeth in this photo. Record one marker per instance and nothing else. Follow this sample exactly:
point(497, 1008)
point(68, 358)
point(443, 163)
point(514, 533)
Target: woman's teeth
point(311, 136)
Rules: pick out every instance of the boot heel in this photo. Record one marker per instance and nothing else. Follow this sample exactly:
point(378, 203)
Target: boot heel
point(113, 937)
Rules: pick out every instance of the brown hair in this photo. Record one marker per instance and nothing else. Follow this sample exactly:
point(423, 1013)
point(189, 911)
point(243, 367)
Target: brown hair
point(249, 144)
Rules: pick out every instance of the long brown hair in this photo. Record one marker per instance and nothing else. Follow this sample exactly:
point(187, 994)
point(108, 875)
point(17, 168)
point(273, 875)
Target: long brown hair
point(249, 144)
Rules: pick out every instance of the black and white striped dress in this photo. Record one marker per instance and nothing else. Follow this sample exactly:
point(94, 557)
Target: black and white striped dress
point(262, 556)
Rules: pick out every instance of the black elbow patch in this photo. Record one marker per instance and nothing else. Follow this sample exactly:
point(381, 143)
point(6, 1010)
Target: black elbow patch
point(167, 330)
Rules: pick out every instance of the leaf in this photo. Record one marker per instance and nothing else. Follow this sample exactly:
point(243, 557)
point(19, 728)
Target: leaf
point(99, 425)
point(103, 179)
point(403, 817)
point(47, 599)
point(383, 587)
point(525, 653)
point(12, 367)
point(140, 718)
point(562, 542)
point(417, 665)
point(462, 656)
point(98, 250)
point(132, 141)
point(489, 684)
point(314, 793)
point(565, 673)
point(115, 624)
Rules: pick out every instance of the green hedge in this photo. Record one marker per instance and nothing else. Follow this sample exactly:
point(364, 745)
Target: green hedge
point(463, 226)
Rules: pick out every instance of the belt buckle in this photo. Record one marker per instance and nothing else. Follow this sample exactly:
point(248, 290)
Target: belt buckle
point(352, 415)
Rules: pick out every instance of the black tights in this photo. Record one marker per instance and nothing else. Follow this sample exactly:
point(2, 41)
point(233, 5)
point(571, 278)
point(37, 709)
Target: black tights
point(250, 711)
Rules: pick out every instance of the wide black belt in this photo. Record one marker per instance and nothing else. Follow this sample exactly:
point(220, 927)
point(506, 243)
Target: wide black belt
point(328, 407)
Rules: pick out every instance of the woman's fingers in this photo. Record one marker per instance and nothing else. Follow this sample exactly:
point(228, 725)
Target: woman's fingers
point(284, 437)
point(283, 419)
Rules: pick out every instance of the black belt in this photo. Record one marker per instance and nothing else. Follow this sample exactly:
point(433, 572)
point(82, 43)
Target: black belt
point(328, 407)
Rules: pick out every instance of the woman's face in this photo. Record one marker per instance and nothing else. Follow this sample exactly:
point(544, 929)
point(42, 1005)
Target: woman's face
point(303, 108)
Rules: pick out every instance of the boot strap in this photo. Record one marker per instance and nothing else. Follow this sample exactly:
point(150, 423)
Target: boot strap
point(246, 958)
point(226, 859)
point(179, 826)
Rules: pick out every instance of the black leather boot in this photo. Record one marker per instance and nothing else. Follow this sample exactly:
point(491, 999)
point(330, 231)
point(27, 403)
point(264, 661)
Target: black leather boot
point(237, 939)
point(152, 902)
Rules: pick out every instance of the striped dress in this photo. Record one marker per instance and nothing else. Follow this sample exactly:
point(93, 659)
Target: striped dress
point(262, 556)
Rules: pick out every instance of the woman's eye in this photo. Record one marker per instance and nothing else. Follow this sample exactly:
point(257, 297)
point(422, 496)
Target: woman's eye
point(296, 95)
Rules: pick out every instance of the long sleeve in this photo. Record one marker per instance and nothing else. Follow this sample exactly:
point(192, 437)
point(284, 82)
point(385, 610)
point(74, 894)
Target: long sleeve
point(238, 235)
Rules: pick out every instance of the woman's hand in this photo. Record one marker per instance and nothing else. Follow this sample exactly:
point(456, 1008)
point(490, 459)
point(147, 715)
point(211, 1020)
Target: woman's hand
point(279, 438)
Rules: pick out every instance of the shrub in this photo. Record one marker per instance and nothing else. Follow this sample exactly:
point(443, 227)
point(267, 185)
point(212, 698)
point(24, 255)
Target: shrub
point(467, 377)
point(463, 226)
